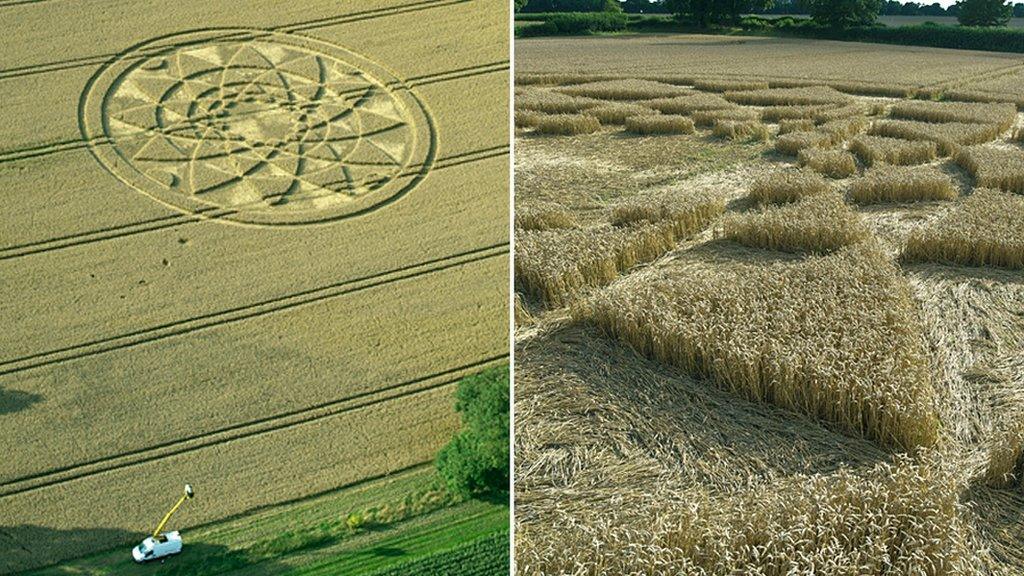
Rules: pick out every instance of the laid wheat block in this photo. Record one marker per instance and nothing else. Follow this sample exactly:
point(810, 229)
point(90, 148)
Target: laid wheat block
point(789, 125)
point(819, 223)
point(835, 337)
point(787, 186)
point(983, 230)
point(553, 102)
point(688, 104)
point(834, 163)
point(791, 144)
point(874, 149)
point(994, 167)
point(886, 183)
point(625, 89)
point(788, 96)
point(1002, 115)
point(543, 216)
point(567, 124)
point(725, 85)
point(617, 113)
point(741, 130)
point(659, 124)
point(709, 117)
point(949, 136)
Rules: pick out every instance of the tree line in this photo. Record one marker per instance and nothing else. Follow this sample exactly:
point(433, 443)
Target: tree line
point(832, 13)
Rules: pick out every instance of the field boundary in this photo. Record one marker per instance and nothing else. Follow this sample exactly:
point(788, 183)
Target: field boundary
point(294, 27)
point(249, 429)
point(255, 310)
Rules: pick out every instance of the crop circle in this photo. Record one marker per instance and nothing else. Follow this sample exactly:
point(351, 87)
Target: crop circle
point(256, 127)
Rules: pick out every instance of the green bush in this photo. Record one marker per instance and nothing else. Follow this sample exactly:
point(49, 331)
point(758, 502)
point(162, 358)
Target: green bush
point(587, 23)
point(476, 461)
point(984, 13)
point(843, 13)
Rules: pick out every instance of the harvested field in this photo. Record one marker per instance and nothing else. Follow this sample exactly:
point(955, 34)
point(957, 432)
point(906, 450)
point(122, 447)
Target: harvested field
point(820, 223)
point(994, 167)
point(836, 163)
point(984, 230)
point(659, 124)
point(264, 304)
point(902, 184)
point(738, 402)
point(874, 149)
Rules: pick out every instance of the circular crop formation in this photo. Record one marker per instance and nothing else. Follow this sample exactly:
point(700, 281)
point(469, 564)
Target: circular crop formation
point(257, 127)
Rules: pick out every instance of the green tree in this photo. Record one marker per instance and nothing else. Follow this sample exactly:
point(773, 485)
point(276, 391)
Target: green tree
point(519, 4)
point(476, 460)
point(705, 12)
point(843, 13)
point(984, 13)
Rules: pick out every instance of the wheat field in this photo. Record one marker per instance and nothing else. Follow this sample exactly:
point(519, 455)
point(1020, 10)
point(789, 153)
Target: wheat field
point(818, 375)
point(236, 252)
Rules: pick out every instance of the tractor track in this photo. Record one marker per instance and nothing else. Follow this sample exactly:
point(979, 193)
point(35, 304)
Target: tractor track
point(255, 310)
point(294, 27)
point(213, 213)
point(248, 429)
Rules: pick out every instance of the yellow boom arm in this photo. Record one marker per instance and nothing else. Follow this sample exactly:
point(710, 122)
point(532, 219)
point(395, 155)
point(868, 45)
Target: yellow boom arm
point(185, 496)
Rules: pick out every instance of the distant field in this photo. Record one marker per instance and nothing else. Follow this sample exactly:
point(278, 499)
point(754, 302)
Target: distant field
point(857, 67)
point(239, 255)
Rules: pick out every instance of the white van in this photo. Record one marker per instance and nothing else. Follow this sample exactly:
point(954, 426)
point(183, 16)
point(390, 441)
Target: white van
point(162, 546)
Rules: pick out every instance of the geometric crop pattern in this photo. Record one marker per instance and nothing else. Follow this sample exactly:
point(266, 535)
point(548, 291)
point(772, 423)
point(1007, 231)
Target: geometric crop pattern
point(259, 125)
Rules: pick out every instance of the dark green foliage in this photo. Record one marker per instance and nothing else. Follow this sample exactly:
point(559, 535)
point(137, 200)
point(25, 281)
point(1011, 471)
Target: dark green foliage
point(984, 13)
point(476, 461)
point(704, 12)
point(484, 556)
point(843, 13)
point(520, 4)
point(576, 23)
point(572, 6)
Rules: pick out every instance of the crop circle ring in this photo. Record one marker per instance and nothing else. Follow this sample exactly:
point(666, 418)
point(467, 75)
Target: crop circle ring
point(257, 127)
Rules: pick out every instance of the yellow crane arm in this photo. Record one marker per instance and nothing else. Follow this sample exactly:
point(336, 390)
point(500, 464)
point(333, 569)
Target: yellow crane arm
point(168, 516)
point(188, 494)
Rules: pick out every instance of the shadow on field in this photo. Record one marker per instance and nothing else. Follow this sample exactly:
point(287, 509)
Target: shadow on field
point(105, 551)
point(24, 546)
point(17, 400)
